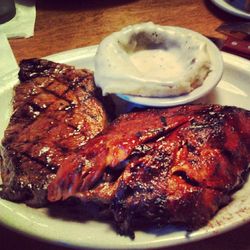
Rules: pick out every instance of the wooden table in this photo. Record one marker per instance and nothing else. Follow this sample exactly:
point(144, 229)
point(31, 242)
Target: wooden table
point(63, 25)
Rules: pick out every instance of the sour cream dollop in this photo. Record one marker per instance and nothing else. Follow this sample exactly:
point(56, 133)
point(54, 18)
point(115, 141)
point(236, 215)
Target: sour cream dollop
point(152, 61)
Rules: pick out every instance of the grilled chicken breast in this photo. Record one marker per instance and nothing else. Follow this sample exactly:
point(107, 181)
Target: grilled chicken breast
point(176, 165)
point(55, 113)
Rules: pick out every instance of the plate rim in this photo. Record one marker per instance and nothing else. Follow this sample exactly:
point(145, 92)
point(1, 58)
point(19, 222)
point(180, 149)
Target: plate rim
point(230, 9)
point(90, 51)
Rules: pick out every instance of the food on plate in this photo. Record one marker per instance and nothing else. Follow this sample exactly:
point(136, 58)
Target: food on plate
point(55, 113)
point(157, 166)
point(152, 60)
point(178, 165)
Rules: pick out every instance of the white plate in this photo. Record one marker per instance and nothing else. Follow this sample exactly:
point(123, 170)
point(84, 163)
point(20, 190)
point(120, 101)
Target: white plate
point(222, 4)
point(233, 89)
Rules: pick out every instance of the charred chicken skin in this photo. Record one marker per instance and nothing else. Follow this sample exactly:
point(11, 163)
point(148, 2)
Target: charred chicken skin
point(176, 165)
point(55, 113)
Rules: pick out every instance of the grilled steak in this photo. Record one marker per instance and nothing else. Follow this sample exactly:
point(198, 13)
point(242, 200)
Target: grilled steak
point(177, 165)
point(55, 114)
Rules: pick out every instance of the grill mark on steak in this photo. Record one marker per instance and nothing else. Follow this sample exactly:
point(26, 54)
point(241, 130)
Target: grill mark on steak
point(52, 168)
point(187, 178)
point(55, 112)
point(57, 95)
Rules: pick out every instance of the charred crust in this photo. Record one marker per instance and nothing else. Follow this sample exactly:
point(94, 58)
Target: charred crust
point(138, 134)
point(187, 178)
point(163, 120)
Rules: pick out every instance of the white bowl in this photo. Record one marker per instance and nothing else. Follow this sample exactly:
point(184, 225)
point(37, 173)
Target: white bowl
point(209, 83)
point(109, 47)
